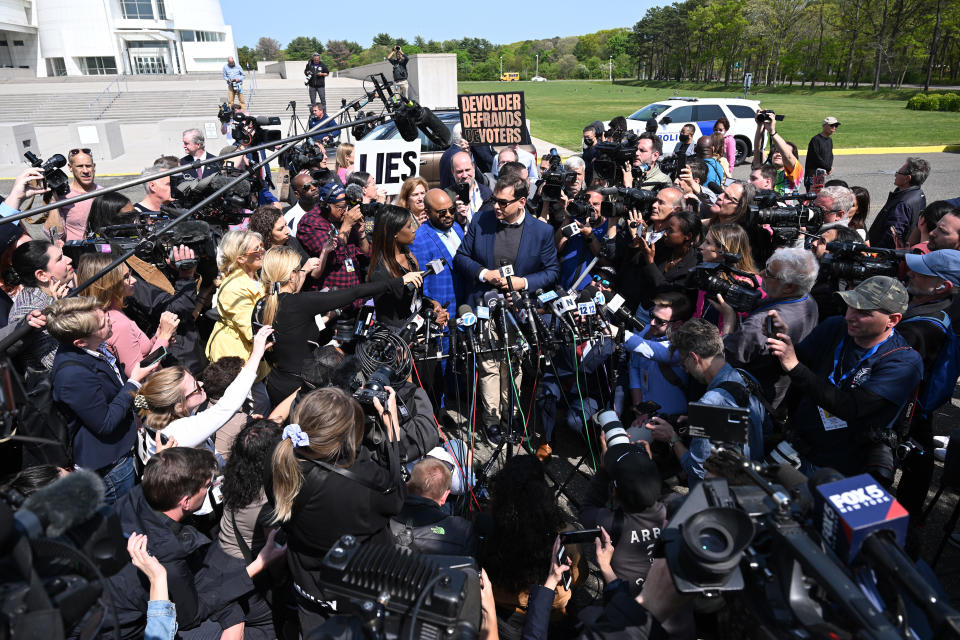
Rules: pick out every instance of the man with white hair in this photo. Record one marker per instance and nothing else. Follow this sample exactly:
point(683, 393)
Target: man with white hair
point(787, 280)
point(157, 191)
point(836, 203)
point(579, 167)
point(194, 144)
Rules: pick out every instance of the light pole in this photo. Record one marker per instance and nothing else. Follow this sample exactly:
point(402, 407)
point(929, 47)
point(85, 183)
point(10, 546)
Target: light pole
point(538, 65)
point(611, 68)
point(501, 66)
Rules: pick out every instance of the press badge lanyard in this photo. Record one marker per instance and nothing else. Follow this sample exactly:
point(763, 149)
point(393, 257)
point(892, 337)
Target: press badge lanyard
point(778, 303)
point(839, 352)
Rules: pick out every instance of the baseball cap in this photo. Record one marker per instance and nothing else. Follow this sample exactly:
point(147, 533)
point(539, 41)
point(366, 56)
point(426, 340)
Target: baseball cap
point(878, 292)
point(831, 120)
point(634, 475)
point(943, 263)
point(331, 192)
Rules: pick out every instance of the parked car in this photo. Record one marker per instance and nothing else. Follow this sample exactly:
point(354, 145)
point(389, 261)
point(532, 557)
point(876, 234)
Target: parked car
point(538, 79)
point(675, 112)
point(430, 153)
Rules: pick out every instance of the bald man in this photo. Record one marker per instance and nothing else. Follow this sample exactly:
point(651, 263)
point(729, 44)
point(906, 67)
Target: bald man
point(473, 198)
point(234, 76)
point(307, 194)
point(440, 237)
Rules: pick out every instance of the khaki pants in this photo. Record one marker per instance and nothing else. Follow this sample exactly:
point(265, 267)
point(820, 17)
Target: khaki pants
point(238, 95)
point(494, 387)
point(403, 88)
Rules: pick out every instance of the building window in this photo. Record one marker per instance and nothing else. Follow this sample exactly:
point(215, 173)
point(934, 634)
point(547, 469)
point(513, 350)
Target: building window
point(3, 43)
point(210, 60)
point(149, 65)
point(18, 43)
point(56, 67)
point(161, 10)
point(136, 9)
point(100, 65)
point(145, 44)
point(202, 36)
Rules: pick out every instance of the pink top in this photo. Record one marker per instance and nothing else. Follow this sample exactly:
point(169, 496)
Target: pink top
point(128, 343)
point(704, 308)
point(75, 216)
point(730, 151)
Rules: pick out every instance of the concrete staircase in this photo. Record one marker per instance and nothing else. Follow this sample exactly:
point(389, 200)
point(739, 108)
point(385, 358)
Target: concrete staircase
point(139, 107)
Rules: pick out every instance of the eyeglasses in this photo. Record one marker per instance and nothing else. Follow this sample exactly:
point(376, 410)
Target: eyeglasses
point(903, 173)
point(727, 197)
point(443, 212)
point(834, 126)
point(500, 202)
point(74, 152)
point(255, 252)
point(197, 388)
point(766, 274)
point(342, 204)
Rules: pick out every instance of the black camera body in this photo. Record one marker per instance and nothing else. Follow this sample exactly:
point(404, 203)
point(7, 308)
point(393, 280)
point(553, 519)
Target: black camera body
point(555, 180)
point(610, 157)
point(307, 155)
point(718, 278)
point(374, 388)
point(56, 180)
point(855, 261)
point(768, 115)
point(228, 208)
point(673, 165)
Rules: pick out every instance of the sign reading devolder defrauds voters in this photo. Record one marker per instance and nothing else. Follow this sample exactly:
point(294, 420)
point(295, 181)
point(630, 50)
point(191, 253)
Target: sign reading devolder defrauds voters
point(494, 118)
point(390, 162)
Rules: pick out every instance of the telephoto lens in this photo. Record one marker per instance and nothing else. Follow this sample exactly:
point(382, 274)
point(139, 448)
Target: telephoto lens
point(613, 431)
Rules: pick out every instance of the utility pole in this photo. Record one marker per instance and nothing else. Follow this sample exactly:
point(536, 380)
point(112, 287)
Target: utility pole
point(611, 69)
point(538, 65)
point(501, 66)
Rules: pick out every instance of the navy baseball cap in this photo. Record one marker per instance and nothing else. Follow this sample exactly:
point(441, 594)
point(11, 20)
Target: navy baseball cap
point(943, 263)
point(331, 192)
point(635, 476)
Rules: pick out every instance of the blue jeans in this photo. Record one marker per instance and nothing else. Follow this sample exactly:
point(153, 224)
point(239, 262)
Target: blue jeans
point(119, 480)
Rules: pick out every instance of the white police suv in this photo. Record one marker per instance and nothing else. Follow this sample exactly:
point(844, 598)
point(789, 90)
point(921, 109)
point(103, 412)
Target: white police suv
point(675, 112)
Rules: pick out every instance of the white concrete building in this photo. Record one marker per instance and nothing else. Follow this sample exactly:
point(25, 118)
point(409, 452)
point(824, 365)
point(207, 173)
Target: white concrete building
point(103, 37)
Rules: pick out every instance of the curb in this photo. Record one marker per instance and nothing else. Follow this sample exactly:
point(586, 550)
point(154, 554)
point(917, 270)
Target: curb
point(947, 148)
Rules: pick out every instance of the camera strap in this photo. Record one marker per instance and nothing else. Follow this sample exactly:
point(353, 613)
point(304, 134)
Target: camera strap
point(349, 475)
point(670, 375)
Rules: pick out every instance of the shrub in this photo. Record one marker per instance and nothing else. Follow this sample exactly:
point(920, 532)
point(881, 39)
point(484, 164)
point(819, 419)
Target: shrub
point(917, 102)
point(950, 102)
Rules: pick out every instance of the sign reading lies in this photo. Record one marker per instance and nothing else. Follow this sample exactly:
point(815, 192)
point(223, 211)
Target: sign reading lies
point(494, 118)
point(390, 162)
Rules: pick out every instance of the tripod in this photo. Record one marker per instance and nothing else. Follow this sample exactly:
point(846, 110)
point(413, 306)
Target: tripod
point(294, 119)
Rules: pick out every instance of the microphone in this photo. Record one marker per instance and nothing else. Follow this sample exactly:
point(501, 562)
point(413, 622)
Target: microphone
point(433, 268)
point(497, 307)
point(411, 328)
point(713, 186)
point(354, 193)
point(411, 116)
point(465, 322)
point(61, 505)
point(564, 304)
point(620, 315)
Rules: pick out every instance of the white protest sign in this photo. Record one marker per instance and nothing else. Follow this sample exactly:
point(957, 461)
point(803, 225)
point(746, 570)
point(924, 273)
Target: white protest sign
point(390, 162)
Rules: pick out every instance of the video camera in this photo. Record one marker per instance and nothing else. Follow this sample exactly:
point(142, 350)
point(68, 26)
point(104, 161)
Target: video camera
point(306, 155)
point(55, 179)
point(768, 115)
point(228, 208)
point(248, 130)
point(555, 180)
point(610, 157)
point(719, 278)
point(786, 220)
point(855, 261)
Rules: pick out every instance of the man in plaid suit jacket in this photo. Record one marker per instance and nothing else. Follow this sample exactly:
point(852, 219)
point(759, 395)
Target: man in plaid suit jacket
point(440, 237)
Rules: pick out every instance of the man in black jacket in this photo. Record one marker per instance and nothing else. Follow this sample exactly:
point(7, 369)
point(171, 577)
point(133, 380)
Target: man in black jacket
point(422, 525)
point(204, 584)
point(903, 206)
point(316, 73)
point(820, 151)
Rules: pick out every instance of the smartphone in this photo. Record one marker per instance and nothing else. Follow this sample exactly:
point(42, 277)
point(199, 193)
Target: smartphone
point(582, 536)
point(562, 560)
point(156, 355)
point(768, 329)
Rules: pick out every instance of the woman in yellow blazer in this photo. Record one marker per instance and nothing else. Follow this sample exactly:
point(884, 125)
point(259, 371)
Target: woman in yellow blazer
point(239, 257)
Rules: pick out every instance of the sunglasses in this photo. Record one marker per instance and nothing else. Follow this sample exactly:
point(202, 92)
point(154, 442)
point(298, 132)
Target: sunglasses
point(501, 202)
point(603, 281)
point(255, 252)
point(443, 212)
point(74, 152)
point(658, 322)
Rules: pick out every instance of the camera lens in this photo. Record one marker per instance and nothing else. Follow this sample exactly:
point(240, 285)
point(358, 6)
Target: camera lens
point(713, 541)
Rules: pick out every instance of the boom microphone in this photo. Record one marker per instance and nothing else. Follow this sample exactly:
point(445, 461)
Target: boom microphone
point(465, 323)
point(410, 116)
point(354, 192)
point(61, 505)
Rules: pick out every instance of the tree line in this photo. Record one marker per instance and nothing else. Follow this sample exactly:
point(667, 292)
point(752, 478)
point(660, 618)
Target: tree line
point(843, 43)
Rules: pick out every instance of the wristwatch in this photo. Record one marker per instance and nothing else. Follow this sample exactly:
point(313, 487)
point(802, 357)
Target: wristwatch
point(674, 440)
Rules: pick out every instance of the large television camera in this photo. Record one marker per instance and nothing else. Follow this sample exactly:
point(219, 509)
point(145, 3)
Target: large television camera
point(724, 279)
point(610, 157)
point(54, 177)
point(556, 180)
point(228, 208)
point(855, 261)
point(768, 208)
point(248, 130)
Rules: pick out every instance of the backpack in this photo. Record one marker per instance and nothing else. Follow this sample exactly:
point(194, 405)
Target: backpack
point(42, 420)
point(741, 395)
point(938, 385)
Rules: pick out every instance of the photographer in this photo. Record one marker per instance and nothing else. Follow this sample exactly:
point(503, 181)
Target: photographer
point(664, 265)
point(234, 76)
point(470, 195)
point(71, 220)
point(646, 164)
point(731, 204)
point(692, 181)
point(576, 248)
point(323, 484)
point(399, 60)
point(836, 203)
point(828, 283)
point(307, 194)
point(720, 242)
point(788, 277)
point(334, 229)
point(852, 376)
point(783, 155)
point(318, 120)
point(701, 351)
point(316, 73)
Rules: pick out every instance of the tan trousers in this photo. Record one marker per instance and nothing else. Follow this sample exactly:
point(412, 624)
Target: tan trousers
point(494, 387)
point(232, 95)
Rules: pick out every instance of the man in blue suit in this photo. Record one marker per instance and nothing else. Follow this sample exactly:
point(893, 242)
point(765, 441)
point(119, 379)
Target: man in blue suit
point(440, 237)
point(505, 236)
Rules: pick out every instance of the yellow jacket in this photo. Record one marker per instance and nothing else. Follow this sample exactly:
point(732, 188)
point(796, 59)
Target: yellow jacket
point(233, 333)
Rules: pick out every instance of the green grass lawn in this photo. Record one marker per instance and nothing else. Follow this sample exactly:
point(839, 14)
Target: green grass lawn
point(558, 111)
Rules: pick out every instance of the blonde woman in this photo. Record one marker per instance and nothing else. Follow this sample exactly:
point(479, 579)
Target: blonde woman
point(169, 399)
point(344, 161)
point(721, 238)
point(282, 277)
point(128, 342)
point(317, 469)
point(413, 193)
point(239, 257)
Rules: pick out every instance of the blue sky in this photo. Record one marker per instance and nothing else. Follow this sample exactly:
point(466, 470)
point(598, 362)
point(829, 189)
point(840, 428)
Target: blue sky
point(360, 21)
